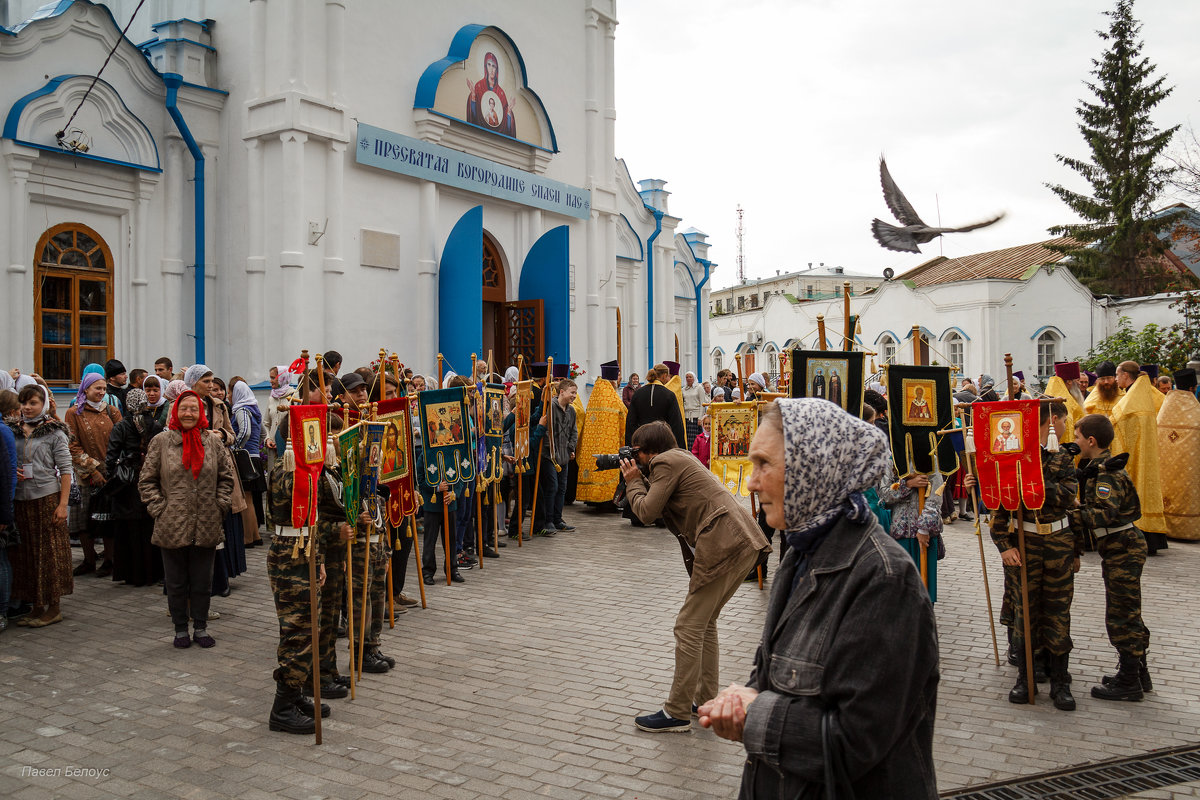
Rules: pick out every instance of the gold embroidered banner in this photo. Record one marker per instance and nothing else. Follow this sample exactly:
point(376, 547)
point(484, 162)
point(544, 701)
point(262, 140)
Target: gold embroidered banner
point(733, 426)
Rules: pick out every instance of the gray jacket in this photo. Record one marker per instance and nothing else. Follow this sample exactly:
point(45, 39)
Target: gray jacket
point(566, 435)
point(857, 635)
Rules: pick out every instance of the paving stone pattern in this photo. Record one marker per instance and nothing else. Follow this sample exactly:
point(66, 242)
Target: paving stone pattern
point(523, 682)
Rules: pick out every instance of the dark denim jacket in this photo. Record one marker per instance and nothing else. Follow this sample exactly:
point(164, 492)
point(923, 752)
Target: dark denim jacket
point(858, 635)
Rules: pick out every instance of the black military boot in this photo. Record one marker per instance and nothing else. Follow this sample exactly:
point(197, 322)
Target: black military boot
point(1143, 677)
point(1013, 655)
point(305, 705)
point(285, 716)
point(1125, 685)
point(1041, 666)
point(1060, 683)
point(1019, 693)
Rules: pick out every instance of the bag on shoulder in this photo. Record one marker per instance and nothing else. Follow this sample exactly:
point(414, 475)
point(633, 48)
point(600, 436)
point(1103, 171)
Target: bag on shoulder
point(246, 465)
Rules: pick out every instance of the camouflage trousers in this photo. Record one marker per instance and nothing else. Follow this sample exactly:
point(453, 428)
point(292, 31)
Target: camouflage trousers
point(288, 575)
point(334, 600)
point(1123, 556)
point(381, 555)
point(1048, 561)
point(1012, 595)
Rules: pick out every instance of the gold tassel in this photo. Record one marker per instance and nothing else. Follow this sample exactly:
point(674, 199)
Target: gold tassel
point(331, 459)
point(296, 548)
point(1052, 441)
point(289, 458)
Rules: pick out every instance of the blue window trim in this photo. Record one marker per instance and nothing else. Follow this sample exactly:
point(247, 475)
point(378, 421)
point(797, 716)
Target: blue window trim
point(18, 108)
point(460, 48)
point(1061, 336)
point(203, 26)
point(925, 331)
point(636, 238)
point(146, 45)
point(894, 337)
point(954, 329)
point(717, 350)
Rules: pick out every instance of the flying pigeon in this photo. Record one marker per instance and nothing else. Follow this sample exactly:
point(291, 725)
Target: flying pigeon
point(915, 231)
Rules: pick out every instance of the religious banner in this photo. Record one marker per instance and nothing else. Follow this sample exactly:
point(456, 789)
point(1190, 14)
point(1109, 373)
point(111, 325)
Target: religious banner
point(395, 471)
point(350, 453)
point(307, 426)
point(493, 433)
point(370, 465)
point(733, 426)
point(449, 451)
point(522, 400)
point(833, 375)
point(603, 432)
point(919, 406)
point(1008, 453)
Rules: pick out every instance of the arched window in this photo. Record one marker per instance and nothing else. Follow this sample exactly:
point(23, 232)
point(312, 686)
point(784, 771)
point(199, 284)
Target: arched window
point(772, 364)
point(887, 350)
point(493, 273)
point(73, 305)
point(1047, 354)
point(954, 351)
point(718, 361)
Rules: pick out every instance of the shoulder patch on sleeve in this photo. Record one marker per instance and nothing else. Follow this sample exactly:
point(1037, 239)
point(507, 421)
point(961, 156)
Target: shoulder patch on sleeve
point(1104, 488)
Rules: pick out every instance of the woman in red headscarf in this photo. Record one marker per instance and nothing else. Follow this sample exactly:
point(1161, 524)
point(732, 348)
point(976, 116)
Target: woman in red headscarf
point(187, 485)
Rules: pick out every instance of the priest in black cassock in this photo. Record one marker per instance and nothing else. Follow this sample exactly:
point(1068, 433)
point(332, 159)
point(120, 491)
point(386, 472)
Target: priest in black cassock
point(654, 401)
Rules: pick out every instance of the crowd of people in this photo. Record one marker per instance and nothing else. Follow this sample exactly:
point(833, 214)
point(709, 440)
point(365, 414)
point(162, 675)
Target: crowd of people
point(165, 478)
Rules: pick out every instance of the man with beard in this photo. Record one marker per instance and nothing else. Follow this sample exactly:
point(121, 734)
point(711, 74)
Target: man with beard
point(1107, 392)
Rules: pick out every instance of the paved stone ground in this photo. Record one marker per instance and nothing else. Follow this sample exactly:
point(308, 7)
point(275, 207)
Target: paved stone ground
point(523, 682)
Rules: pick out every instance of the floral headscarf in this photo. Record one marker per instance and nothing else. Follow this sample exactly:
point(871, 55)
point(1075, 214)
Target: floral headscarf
point(135, 403)
point(173, 390)
point(830, 458)
point(284, 380)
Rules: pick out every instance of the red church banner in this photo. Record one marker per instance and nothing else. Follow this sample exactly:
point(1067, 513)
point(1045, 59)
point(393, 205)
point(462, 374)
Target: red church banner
point(1008, 453)
point(307, 425)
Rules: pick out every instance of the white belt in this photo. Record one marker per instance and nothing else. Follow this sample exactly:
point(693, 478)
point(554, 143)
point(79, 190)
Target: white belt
point(1102, 532)
point(294, 533)
point(1047, 527)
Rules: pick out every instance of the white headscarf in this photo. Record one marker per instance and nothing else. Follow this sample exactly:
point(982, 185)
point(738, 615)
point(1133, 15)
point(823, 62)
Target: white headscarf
point(195, 373)
point(284, 380)
point(162, 391)
point(447, 378)
point(242, 396)
point(830, 458)
point(45, 402)
point(718, 394)
point(758, 378)
point(6, 381)
point(511, 374)
point(23, 381)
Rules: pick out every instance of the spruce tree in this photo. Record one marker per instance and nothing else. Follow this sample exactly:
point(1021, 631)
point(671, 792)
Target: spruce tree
point(1114, 248)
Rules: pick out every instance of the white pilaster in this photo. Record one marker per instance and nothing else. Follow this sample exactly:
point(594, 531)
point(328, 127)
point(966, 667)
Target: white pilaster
point(256, 259)
point(427, 264)
point(335, 22)
point(19, 278)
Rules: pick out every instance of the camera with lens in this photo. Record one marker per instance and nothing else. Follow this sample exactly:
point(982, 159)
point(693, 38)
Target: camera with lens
point(613, 460)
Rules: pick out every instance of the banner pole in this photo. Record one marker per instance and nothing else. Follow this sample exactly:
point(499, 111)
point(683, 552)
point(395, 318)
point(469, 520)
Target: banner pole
point(445, 505)
point(987, 591)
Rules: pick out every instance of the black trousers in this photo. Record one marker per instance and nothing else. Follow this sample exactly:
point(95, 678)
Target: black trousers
point(187, 578)
point(433, 532)
point(401, 552)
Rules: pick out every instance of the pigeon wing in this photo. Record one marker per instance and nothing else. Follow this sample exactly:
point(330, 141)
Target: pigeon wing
point(893, 238)
point(972, 226)
point(897, 203)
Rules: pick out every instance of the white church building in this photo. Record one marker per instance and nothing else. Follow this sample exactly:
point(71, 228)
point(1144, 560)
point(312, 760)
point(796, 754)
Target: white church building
point(247, 178)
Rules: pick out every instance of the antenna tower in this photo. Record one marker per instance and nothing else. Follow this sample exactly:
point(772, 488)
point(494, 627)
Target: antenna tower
point(741, 257)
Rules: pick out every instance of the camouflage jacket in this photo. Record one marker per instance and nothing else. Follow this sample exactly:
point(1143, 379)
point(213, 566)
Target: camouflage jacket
point(1058, 474)
point(279, 500)
point(1108, 498)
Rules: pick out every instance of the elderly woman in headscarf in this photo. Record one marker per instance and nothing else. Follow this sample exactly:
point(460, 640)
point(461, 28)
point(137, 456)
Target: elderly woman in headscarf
point(41, 560)
point(90, 422)
point(247, 430)
point(187, 485)
point(138, 562)
point(844, 684)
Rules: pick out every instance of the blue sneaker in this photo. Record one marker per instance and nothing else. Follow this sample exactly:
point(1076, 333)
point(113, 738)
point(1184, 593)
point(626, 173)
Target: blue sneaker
point(661, 722)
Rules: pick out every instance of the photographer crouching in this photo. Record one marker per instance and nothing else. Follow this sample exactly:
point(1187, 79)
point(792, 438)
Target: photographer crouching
point(721, 543)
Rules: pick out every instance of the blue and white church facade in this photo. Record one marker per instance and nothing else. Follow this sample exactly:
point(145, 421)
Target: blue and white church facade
point(251, 177)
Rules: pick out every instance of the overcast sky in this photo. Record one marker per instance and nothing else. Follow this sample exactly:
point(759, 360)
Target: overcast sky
point(784, 106)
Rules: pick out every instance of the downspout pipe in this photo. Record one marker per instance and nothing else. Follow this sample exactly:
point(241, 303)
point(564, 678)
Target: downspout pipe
point(658, 215)
point(700, 358)
point(173, 81)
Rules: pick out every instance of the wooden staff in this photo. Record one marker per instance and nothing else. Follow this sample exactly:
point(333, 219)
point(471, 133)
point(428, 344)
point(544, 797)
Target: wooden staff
point(445, 506)
point(395, 359)
point(1029, 680)
point(412, 518)
point(848, 322)
point(520, 473)
point(349, 566)
point(968, 452)
point(491, 370)
point(362, 622)
point(737, 358)
point(476, 405)
point(922, 491)
point(537, 474)
point(313, 610)
point(821, 343)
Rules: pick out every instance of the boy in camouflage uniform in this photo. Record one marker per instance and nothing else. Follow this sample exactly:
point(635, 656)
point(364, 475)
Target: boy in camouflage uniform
point(381, 555)
point(1051, 562)
point(288, 574)
point(1108, 507)
point(334, 532)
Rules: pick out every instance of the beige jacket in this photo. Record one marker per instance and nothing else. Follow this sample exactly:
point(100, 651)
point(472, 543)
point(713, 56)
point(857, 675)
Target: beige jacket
point(186, 511)
point(697, 508)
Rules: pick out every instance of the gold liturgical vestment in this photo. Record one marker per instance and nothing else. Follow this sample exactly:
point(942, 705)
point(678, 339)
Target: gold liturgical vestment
point(1179, 447)
point(1057, 387)
point(603, 432)
point(1136, 422)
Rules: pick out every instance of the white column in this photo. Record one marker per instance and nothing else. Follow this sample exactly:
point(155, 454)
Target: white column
point(335, 20)
point(427, 268)
point(591, 99)
point(19, 284)
point(216, 311)
point(334, 265)
point(258, 48)
point(591, 266)
point(175, 183)
point(256, 258)
point(296, 46)
point(610, 99)
point(140, 306)
point(294, 235)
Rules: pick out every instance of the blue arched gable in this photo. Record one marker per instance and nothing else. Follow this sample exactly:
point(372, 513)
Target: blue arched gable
point(1050, 328)
point(893, 336)
point(954, 329)
point(460, 48)
point(717, 350)
point(632, 234)
point(928, 334)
